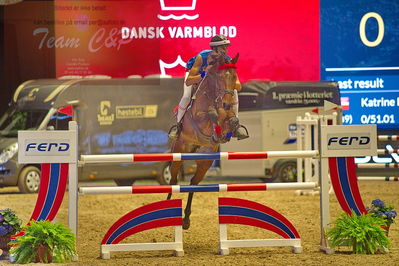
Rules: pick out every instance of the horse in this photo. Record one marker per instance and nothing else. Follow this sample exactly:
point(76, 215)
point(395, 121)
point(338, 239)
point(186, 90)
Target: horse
point(208, 121)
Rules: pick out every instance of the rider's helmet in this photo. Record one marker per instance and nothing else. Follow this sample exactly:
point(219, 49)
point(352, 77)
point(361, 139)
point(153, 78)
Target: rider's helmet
point(219, 40)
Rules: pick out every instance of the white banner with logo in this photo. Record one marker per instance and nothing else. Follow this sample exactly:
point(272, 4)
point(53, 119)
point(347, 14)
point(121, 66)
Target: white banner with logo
point(348, 141)
point(47, 146)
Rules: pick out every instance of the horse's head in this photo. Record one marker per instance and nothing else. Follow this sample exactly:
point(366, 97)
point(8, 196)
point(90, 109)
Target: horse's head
point(224, 70)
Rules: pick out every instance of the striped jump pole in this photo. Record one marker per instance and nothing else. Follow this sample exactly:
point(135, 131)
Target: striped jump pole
point(158, 157)
point(196, 188)
point(378, 178)
point(377, 165)
point(388, 137)
point(387, 152)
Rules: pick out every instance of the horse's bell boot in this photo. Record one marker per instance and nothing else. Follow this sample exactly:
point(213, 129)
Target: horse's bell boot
point(174, 131)
point(242, 133)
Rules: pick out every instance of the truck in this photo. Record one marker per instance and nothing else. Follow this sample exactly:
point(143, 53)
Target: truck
point(269, 110)
point(113, 115)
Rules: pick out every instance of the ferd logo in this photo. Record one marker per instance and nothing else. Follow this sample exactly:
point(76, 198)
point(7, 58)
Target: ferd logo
point(343, 141)
point(54, 147)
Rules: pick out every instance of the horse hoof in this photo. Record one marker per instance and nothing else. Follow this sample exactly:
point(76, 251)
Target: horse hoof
point(186, 224)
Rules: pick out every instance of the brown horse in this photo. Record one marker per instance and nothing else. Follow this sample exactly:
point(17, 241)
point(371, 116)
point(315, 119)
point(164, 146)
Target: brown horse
point(208, 121)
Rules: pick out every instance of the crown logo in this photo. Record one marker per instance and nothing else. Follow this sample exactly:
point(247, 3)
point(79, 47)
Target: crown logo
point(163, 66)
point(176, 5)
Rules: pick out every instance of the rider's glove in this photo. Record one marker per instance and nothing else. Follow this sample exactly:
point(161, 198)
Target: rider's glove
point(203, 73)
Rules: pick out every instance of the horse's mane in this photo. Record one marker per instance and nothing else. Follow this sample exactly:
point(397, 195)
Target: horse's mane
point(216, 59)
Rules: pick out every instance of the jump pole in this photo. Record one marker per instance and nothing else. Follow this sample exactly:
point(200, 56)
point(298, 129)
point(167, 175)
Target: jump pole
point(159, 157)
point(387, 152)
point(378, 178)
point(377, 165)
point(196, 188)
point(388, 138)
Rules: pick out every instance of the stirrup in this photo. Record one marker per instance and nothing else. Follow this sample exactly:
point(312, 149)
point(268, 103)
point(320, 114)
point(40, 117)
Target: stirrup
point(241, 133)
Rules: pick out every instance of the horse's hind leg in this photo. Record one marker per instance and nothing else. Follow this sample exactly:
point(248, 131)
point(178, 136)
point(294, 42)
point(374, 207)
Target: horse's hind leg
point(202, 167)
point(174, 171)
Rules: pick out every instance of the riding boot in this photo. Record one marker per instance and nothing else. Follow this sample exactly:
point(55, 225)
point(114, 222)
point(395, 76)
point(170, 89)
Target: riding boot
point(241, 133)
point(175, 130)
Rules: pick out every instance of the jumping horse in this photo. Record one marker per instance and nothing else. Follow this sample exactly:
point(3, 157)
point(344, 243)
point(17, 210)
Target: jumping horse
point(208, 121)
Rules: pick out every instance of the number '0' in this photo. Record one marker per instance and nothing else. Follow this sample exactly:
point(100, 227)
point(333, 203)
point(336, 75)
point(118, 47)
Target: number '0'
point(362, 29)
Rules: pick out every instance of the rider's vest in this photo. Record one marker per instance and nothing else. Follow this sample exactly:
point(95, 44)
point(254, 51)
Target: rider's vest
point(204, 55)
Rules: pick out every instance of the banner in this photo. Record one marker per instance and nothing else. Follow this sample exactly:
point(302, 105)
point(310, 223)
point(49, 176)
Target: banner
point(276, 40)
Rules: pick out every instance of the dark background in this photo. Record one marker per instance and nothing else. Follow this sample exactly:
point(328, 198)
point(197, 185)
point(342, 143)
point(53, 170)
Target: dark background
point(19, 53)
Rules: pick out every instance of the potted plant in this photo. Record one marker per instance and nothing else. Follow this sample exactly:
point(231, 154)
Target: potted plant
point(9, 225)
point(44, 241)
point(361, 232)
point(387, 212)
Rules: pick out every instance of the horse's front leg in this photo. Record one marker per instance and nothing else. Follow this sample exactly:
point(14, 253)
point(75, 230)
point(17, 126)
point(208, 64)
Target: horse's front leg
point(202, 167)
point(187, 211)
point(174, 172)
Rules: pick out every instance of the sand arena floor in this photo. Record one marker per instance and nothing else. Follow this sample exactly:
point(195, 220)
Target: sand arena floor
point(98, 212)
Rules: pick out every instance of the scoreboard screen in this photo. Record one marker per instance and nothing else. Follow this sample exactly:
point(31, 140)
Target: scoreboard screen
point(360, 50)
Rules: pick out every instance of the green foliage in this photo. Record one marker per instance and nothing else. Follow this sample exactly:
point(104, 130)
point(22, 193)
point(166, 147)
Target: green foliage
point(363, 233)
point(59, 239)
point(9, 222)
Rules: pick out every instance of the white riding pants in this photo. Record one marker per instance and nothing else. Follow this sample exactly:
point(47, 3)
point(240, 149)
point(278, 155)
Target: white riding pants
point(185, 100)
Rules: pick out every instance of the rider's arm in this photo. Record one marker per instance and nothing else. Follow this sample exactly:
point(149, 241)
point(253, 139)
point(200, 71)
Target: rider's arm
point(194, 76)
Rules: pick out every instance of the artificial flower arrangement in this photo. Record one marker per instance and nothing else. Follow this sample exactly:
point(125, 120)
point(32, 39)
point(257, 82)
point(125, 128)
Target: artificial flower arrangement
point(9, 222)
point(385, 211)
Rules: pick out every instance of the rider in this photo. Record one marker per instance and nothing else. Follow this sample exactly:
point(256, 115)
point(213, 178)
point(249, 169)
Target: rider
point(196, 71)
